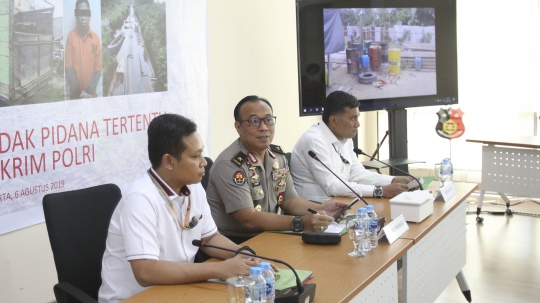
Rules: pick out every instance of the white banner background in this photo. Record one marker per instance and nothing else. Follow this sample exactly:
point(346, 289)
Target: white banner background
point(113, 154)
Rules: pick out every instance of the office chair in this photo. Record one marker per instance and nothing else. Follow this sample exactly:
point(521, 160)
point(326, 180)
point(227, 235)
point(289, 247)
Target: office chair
point(77, 222)
point(288, 157)
point(206, 177)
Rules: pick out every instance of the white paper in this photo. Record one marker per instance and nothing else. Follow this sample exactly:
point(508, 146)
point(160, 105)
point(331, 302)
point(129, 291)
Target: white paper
point(414, 183)
point(335, 228)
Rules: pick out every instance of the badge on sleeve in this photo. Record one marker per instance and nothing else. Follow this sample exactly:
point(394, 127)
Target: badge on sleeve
point(239, 178)
point(280, 198)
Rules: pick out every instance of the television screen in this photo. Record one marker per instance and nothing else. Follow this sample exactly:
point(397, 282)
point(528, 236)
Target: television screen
point(389, 54)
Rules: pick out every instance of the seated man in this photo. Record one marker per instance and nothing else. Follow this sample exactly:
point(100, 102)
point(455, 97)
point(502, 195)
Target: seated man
point(150, 234)
point(331, 141)
point(250, 181)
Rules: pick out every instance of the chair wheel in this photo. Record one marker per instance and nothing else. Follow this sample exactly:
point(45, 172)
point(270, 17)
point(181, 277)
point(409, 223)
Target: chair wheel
point(509, 211)
point(479, 219)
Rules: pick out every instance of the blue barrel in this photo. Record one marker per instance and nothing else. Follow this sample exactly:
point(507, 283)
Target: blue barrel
point(418, 63)
point(365, 61)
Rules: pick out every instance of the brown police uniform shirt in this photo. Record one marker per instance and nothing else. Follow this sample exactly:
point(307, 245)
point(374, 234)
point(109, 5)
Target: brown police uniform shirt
point(239, 180)
point(84, 56)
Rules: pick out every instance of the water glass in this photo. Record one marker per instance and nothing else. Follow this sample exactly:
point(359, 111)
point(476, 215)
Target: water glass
point(351, 232)
point(239, 290)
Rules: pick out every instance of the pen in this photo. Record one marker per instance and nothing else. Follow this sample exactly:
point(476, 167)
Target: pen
point(311, 210)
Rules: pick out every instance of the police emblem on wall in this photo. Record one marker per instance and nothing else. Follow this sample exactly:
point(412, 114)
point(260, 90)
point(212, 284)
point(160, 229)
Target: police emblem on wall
point(450, 125)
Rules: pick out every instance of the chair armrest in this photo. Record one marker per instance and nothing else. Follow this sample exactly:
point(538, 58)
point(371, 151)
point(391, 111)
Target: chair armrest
point(64, 292)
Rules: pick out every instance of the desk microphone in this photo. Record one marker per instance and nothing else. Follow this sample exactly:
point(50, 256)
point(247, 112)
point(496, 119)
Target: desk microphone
point(297, 294)
point(360, 152)
point(314, 156)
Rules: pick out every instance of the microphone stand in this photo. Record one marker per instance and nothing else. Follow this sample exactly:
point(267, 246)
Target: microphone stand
point(300, 293)
point(314, 156)
point(360, 152)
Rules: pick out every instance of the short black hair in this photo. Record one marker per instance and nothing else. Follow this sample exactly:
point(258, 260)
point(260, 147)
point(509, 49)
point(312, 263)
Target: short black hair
point(247, 99)
point(336, 102)
point(166, 136)
point(82, 1)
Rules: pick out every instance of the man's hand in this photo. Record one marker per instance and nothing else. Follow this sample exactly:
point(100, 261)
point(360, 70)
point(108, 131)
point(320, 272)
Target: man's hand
point(333, 207)
point(394, 189)
point(402, 180)
point(318, 222)
point(234, 267)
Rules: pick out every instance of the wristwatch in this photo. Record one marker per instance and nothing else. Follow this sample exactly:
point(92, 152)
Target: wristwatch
point(297, 224)
point(377, 192)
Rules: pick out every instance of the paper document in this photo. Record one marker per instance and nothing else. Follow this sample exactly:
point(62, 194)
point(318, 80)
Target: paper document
point(414, 183)
point(335, 228)
point(285, 278)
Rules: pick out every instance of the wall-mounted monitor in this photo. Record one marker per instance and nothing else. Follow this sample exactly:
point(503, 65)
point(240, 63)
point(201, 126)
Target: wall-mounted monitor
point(390, 54)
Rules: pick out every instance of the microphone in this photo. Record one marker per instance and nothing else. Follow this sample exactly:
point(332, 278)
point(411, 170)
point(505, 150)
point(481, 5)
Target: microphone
point(360, 152)
point(314, 156)
point(300, 293)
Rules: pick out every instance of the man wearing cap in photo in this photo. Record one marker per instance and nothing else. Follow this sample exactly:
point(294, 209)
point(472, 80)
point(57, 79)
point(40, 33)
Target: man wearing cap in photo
point(83, 55)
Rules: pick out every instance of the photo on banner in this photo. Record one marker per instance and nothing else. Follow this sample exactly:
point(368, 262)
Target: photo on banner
point(56, 136)
point(135, 59)
point(31, 64)
point(82, 54)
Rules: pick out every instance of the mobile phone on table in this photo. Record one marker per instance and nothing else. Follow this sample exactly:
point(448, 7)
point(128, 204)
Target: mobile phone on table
point(342, 211)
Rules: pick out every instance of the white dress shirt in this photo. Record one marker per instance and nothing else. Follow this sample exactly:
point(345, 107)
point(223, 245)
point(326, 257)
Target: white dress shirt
point(314, 182)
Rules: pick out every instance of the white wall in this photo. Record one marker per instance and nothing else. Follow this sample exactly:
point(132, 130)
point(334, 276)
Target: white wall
point(252, 50)
point(498, 64)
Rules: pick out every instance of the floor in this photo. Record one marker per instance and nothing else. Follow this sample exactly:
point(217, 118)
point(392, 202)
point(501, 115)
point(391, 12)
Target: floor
point(503, 254)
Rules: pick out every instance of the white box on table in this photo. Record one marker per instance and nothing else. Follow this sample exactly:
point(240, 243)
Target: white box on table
point(415, 206)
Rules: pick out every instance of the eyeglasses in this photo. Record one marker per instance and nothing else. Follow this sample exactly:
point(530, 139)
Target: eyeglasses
point(256, 122)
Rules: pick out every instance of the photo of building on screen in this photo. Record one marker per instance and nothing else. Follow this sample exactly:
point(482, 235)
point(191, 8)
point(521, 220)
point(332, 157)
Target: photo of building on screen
point(30, 60)
point(380, 52)
point(135, 59)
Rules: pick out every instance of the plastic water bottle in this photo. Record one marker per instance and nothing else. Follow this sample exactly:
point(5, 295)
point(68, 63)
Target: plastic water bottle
point(451, 169)
point(268, 275)
point(446, 171)
point(362, 230)
point(373, 226)
point(259, 288)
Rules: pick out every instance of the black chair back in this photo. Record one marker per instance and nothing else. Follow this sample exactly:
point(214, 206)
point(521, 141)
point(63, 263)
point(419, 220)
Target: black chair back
point(206, 177)
point(288, 157)
point(77, 222)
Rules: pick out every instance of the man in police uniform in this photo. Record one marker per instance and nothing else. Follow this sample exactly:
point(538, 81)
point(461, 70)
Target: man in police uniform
point(250, 181)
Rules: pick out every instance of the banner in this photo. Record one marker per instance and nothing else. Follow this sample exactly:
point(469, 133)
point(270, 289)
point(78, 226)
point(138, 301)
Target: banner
point(79, 83)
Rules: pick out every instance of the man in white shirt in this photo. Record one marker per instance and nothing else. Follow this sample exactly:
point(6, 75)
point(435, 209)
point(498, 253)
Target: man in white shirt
point(331, 141)
point(151, 230)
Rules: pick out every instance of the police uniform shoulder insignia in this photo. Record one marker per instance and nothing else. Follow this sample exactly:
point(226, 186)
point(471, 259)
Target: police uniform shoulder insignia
point(277, 149)
point(239, 178)
point(239, 158)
